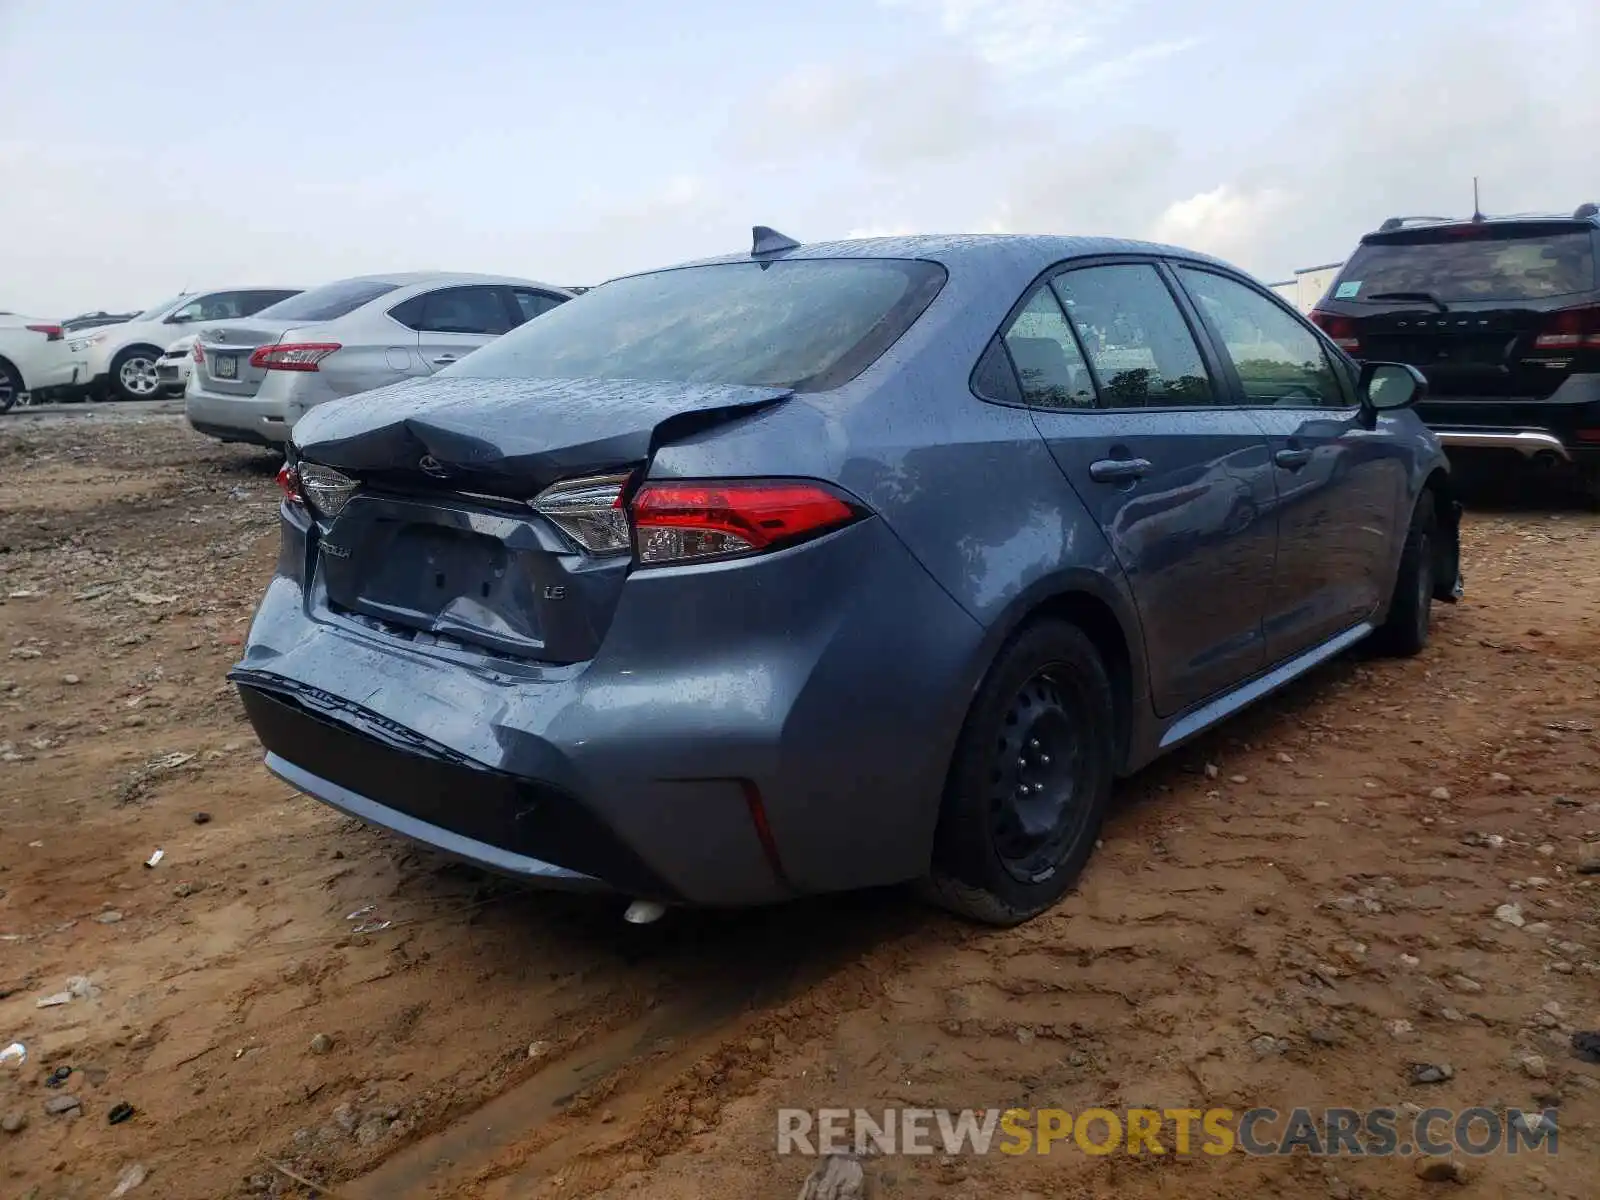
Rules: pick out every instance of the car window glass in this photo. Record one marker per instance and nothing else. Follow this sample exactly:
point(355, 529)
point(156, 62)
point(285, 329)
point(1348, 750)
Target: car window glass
point(1279, 360)
point(250, 303)
point(1482, 262)
point(464, 310)
point(409, 313)
point(806, 324)
point(993, 378)
point(531, 304)
point(1135, 336)
point(1049, 364)
point(329, 302)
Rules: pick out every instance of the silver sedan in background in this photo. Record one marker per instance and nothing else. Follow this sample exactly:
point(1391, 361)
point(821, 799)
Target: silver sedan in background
point(253, 379)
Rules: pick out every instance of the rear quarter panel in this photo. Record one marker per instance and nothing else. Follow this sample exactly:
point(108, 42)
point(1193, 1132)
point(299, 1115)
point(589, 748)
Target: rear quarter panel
point(969, 487)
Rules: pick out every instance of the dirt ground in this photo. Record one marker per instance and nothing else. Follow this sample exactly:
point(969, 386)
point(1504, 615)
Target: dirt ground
point(1292, 912)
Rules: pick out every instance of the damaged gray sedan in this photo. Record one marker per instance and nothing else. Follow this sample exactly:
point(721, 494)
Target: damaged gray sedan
point(818, 568)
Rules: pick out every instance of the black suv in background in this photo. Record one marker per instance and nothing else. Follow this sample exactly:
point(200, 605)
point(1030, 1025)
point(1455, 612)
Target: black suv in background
point(1502, 314)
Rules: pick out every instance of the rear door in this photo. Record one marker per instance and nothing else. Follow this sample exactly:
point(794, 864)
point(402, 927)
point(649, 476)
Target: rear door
point(1180, 481)
point(1479, 308)
point(1340, 486)
point(452, 322)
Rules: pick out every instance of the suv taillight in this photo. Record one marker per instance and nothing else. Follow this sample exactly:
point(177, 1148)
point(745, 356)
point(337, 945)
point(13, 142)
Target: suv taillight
point(681, 522)
point(199, 354)
point(1571, 329)
point(292, 356)
point(52, 333)
point(1340, 328)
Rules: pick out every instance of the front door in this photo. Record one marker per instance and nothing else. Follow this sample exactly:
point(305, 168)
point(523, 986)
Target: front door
point(1180, 483)
point(1340, 485)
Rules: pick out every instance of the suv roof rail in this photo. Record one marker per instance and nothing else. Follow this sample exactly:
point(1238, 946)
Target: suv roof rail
point(1586, 211)
point(1402, 222)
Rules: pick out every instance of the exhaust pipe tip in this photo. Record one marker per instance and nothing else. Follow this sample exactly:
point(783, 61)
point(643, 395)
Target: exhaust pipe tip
point(1546, 460)
point(644, 912)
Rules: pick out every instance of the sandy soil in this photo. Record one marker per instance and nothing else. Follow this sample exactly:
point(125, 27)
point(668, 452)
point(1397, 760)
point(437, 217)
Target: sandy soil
point(1291, 912)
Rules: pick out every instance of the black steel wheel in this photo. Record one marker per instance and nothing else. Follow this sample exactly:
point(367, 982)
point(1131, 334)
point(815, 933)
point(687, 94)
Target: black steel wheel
point(1030, 779)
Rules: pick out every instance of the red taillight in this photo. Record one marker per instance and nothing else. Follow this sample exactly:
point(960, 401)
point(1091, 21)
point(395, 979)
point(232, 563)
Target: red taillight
point(52, 333)
point(675, 522)
point(1571, 329)
point(1341, 329)
point(199, 353)
point(289, 482)
point(292, 356)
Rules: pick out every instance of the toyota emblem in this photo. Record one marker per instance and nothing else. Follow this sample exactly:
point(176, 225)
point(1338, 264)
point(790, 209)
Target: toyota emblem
point(432, 466)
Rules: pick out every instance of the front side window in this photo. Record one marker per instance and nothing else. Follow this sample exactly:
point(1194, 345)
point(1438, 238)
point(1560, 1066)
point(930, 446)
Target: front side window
point(1279, 360)
point(805, 324)
point(1136, 337)
point(227, 306)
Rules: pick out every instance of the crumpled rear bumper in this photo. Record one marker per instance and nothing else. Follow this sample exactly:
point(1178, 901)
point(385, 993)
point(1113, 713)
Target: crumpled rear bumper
point(749, 731)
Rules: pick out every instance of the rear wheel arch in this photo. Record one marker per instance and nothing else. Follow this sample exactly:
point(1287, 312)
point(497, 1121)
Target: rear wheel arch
point(1099, 621)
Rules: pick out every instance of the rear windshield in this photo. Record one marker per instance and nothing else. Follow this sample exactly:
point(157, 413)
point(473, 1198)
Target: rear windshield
point(327, 302)
point(1494, 264)
point(806, 324)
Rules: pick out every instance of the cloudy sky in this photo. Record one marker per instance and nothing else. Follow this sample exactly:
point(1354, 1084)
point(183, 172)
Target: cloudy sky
point(167, 145)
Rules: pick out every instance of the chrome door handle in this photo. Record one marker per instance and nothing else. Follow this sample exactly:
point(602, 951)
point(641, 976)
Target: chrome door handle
point(444, 360)
point(1292, 460)
point(1114, 470)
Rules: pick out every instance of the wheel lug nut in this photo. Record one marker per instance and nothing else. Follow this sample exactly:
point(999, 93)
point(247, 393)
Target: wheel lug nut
point(1022, 764)
point(1044, 760)
point(1038, 787)
point(1033, 743)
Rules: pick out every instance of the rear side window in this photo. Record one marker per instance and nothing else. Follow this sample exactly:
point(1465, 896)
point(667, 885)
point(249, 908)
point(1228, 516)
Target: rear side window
point(1049, 364)
point(328, 302)
point(1136, 337)
point(806, 324)
point(1279, 360)
point(455, 310)
point(1466, 262)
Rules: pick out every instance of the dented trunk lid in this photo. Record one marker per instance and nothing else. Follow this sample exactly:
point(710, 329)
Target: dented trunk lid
point(441, 545)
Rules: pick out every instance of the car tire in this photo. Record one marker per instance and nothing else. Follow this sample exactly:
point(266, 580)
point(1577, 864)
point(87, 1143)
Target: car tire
point(1405, 631)
point(133, 374)
point(1030, 779)
point(11, 387)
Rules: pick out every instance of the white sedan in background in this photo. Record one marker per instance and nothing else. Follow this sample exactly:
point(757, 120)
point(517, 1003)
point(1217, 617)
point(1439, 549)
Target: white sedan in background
point(172, 368)
point(252, 380)
point(120, 360)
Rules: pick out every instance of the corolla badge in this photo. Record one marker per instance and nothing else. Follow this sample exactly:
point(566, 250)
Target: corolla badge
point(432, 466)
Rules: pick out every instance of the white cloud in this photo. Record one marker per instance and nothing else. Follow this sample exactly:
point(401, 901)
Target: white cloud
point(1225, 221)
point(1022, 36)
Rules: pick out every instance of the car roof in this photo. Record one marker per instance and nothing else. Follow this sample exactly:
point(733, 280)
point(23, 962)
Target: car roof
point(1577, 220)
point(974, 251)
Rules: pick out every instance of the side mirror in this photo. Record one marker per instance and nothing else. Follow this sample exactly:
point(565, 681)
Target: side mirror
point(179, 318)
point(1389, 387)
